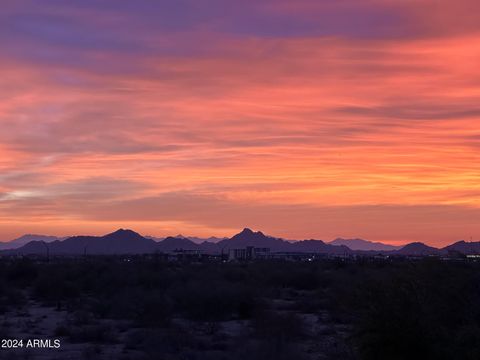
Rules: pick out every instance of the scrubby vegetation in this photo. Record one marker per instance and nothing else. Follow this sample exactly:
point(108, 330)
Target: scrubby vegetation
point(331, 309)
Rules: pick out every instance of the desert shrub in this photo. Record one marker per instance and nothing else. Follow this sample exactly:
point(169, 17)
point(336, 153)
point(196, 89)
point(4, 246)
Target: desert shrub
point(422, 310)
point(216, 301)
point(62, 330)
point(158, 343)
point(97, 334)
point(153, 309)
point(282, 327)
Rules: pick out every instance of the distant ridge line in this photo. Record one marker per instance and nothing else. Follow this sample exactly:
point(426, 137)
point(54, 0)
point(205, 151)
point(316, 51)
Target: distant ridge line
point(126, 241)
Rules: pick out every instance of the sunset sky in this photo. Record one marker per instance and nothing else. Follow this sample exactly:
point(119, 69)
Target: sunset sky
point(300, 118)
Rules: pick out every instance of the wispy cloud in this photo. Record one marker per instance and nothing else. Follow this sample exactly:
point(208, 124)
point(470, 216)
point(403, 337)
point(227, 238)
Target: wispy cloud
point(313, 107)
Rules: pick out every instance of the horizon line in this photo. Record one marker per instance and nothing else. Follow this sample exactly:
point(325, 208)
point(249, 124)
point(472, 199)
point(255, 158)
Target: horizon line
point(178, 235)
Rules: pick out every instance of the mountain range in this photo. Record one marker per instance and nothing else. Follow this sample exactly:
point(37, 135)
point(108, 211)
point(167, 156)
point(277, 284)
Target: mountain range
point(25, 239)
point(195, 239)
point(129, 242)
point(360, 244)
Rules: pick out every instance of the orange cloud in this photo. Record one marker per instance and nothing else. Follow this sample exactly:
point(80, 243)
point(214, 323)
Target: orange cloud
point(303, 136)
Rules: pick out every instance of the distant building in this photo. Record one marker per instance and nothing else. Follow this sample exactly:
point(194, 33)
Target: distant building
point(248, 253)
point(297, 256)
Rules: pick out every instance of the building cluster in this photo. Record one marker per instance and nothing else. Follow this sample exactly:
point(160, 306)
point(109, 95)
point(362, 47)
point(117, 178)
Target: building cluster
point(248, 253)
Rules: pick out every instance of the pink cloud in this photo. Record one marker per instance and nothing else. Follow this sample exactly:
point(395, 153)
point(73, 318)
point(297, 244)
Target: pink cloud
point(322, 124)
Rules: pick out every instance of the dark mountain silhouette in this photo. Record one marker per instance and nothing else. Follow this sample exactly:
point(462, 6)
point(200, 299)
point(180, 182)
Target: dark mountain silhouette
point(364, 245)
point(249, 238)
point(196, 240)
point(318, 246)
point(199, 240)
point(211, 239)
point(33, 248)
point(418, 249)
point(119, 242)
point(176, 243)
point(25, 239)
point(210, 247)
point(129, 242)
point(463, 247)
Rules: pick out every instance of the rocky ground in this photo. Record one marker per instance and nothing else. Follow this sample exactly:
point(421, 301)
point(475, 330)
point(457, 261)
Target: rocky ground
point(81, 336)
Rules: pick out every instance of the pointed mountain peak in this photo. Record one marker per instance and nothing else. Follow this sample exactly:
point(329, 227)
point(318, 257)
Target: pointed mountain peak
point(416, 245)
point(123, 233)
point(171, 243)
point(247, 231)
point(418, 248)
point(249, 237)
point(249, 234)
